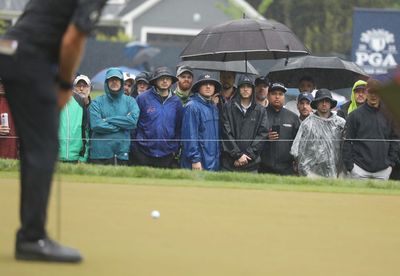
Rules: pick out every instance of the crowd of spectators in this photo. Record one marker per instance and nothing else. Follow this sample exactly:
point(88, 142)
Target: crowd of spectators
point(168, 120)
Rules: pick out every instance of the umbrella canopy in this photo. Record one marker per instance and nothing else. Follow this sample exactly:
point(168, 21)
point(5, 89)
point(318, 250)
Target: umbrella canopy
point(244, 39)
point(139, 52)
point(328, 72)
point(238, 66)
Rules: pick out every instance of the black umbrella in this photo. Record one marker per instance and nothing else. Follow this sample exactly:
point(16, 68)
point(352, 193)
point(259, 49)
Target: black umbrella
point(244, 39)
point(328, 72)
point(234, 66)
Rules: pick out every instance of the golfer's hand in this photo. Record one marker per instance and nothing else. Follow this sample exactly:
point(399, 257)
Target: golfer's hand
point(197, 166)
point(273, 135)
point(63, 97)
point(4, 130)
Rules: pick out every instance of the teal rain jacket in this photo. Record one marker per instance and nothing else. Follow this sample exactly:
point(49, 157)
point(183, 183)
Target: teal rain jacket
point(112, 117)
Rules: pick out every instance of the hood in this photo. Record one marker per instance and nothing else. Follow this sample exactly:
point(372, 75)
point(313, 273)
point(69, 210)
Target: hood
point(353, 104)
point(114, 72)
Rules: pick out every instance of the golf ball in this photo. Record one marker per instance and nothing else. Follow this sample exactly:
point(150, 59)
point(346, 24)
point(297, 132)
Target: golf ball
point(155, 214)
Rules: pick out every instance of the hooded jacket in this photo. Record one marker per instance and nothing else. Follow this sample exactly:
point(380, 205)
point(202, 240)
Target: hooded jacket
point(73, 131)
point(351, 105)
point(369, 123)
point(243, 133)
point(200, 134)
point(317, 146)
point(112, 116)
point(159, 126)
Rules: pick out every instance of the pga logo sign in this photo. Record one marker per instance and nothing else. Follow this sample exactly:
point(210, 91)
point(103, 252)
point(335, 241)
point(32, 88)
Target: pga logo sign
point(375, 53)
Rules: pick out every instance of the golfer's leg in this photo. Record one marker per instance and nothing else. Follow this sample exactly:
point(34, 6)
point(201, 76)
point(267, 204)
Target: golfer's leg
point(36, 118)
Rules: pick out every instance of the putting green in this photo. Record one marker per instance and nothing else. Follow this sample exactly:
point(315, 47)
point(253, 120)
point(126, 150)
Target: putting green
point(207, 231)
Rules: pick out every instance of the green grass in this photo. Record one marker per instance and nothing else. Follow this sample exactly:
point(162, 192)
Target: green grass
point(165, 177)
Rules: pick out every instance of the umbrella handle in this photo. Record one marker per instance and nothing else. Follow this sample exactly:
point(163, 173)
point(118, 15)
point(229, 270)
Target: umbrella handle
point(287, 57)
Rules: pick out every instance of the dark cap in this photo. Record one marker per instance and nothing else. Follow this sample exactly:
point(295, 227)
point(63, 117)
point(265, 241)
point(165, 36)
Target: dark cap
point(162, 72)
point(322, 94)
point(305, 96)
point(206, 78)
point(143, 76)
point(245, 79)
point(262, 79)
point(184, 69)
point(277, 86)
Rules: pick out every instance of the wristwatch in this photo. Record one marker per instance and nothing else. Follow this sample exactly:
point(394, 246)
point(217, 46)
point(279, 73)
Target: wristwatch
point(63, 84)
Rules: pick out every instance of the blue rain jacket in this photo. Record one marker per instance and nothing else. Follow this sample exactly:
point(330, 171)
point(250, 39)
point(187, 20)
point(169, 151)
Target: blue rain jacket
point(112, 116)
point(159, 127)
point(200, 134)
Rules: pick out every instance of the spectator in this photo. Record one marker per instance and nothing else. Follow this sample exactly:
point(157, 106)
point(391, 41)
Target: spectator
point(358, 97)
point(200, 127)
point(228, 92)
point(74, 124)
point(244, 129)
point(142, 83)
point(307, 84)
point(112, 116)
point(159, 126)
point(261, 91)
point(8, 139)
point(184, 84)
point(366, 151)
point(83, 89)
point(316, 147)
point(129, 81)
point(283, 125)
point(304, 100)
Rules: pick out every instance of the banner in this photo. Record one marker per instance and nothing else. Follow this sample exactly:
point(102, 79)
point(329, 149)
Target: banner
point(376, 39)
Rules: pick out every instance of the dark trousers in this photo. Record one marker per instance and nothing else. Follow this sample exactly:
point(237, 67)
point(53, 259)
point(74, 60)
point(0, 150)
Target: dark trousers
point(30, 90)
point(138, 158)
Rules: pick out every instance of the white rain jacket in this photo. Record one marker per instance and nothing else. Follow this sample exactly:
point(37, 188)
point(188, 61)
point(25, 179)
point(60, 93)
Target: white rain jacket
point(317, 146)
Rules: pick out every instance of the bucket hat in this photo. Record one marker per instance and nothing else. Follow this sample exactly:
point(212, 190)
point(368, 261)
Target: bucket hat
point(162, 72)
point(322, 94)
point(206, 78)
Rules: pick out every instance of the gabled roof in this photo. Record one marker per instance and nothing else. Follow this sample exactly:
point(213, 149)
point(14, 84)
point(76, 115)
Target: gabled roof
point(13, 5)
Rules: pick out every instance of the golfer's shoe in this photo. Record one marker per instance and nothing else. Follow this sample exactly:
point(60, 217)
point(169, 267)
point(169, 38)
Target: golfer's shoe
point(46, 250)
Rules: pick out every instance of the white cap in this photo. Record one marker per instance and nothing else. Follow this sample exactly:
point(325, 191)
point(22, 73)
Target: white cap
point(84, 78)
point(129, 76)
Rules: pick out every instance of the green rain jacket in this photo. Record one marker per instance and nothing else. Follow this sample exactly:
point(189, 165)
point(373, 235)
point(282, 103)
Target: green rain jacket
point(73, 131)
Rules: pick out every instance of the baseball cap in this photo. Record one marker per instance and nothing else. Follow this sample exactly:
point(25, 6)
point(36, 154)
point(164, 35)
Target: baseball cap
point(82, 78)
point(305, 96)
point(129, 76)
point(184, 69)
point(277, 86)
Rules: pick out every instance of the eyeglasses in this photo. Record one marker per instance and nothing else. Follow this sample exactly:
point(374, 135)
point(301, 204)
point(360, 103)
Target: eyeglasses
point(82, 85)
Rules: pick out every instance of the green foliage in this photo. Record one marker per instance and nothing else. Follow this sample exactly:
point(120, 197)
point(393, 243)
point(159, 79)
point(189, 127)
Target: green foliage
point(231, 9)
point(264, 5)
point(3, 27)
point(119, 37)
point(324, 26)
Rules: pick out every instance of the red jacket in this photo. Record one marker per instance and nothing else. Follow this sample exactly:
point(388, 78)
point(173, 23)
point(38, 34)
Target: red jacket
point(8, 146)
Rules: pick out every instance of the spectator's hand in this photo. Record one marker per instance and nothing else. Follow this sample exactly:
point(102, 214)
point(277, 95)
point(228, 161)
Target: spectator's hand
point(197, 166)
point(272, 135)
point(4, 130)
point(215, 98)
point(63, 97)
point(242, 161)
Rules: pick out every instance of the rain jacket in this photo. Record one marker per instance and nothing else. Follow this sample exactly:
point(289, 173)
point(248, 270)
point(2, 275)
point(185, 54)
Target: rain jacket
point(200, 134)
point(159, 126)
point(317, 146)
point(73, 131)
point(369, 123)
point(111, 119)
point(243, 133)
point(276, 157)
point(351, 105)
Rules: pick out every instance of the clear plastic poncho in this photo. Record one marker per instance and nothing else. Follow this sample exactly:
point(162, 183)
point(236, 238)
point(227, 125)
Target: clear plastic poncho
point(317, 146)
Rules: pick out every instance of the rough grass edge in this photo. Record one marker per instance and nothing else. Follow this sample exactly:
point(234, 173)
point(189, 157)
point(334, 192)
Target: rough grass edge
point(219, 179)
